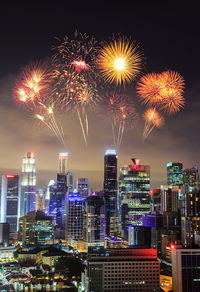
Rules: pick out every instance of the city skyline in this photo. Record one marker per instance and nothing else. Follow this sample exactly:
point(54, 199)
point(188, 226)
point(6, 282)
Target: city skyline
point(177, 141)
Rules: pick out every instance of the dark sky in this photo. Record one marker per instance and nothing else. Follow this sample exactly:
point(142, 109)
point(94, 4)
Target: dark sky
point(169, 37)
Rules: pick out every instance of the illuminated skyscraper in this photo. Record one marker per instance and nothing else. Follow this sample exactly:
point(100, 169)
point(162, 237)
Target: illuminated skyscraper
point(191, 178)
point(63, 162)
point(110, 190)
point(70, 182)
point(82, 186)
point(40, 200)
point(174, 174)
point(134, 199)
point(28, 183)
point(94, 221)
point(74, 217)
point(10, 201)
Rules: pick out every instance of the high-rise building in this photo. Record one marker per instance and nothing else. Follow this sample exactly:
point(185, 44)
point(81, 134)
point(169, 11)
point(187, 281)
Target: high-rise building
point(11, 200)
point(130, 269)
point(4, 234)
point(70, 182)
point(28, 183)
point(190, 215)
point(40, 200)
point(53, 202)
point(155, 195)
point(74, 218)
point(110, 190)
point(82, 187)
point(174, 174)
point(94, 221)
point(134, 198)
point(36, 228)
point(191, 178)
point(63, 162)
point(185, 270)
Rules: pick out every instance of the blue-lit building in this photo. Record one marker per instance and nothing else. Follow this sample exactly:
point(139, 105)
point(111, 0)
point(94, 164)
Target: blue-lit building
point(174, 174)
point(94, 221)
point(134, 198)
point(11, 201)
point(82, 187)
point(110, 190)
point(74, 217)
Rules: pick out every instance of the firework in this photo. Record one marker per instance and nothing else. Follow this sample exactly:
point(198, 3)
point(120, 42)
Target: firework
point(150, 88)
point(33, 84)
point(152, 119)
point(172, 93)
point(120, 61)
point(121, 109)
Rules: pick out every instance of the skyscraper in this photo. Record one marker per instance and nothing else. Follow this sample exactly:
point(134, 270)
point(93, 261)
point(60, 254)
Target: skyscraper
point(74, 217)
point(40, 200)
point(63, 162)
point(191, 177)
point(134, 199)
point(28, 183)
point(174, 174)
point(82, 186)
point(94, 221)
point(11, 201)
point(110, 190)
point(70, 182)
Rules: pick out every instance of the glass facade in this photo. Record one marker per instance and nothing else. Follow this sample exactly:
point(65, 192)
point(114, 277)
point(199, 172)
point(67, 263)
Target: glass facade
point(10, 201)
point(82, 187)
point(28, 184)
point(110, 188)
point(174, 174)
point(134, 199)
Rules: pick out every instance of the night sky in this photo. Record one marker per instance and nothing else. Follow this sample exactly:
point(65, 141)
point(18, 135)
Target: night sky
point(169, 37)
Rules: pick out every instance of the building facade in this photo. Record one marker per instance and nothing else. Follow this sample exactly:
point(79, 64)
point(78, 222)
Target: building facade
point(82, 187)
point(124, 270)
point(110, 190)
point(174, 174)
point(11, 201)
point(28, 183)
point(134, 198)
point(94, 221)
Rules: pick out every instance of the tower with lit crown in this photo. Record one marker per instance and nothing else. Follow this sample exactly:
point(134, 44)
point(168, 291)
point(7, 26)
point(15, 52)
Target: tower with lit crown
point(28, 184)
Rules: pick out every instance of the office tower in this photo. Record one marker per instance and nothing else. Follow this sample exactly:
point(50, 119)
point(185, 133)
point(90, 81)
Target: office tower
point(134, 199)
point(74, 218)
point(94, 221)
point(53, 202)
point(11, 200)
point(110, 190)
point(185, 270)
point(82, 187)
point(130, 269)
point(4, 234)
point(63, 162)
point(36, 228)
point(28, 183)
point(40, 200)
point(70, 182)
point(170, 206)
point(155, 200)
point(155, 221)
point(190, 215)
point(174, 174)
point(191, 178)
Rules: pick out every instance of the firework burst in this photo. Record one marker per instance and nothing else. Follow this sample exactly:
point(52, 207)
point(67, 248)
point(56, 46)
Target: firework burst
point(120, 61)
point(152, 119)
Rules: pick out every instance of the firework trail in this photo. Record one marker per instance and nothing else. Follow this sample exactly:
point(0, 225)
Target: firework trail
point(121, 110)
point(152, 119)
point(120, 61)
point(33, 90)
